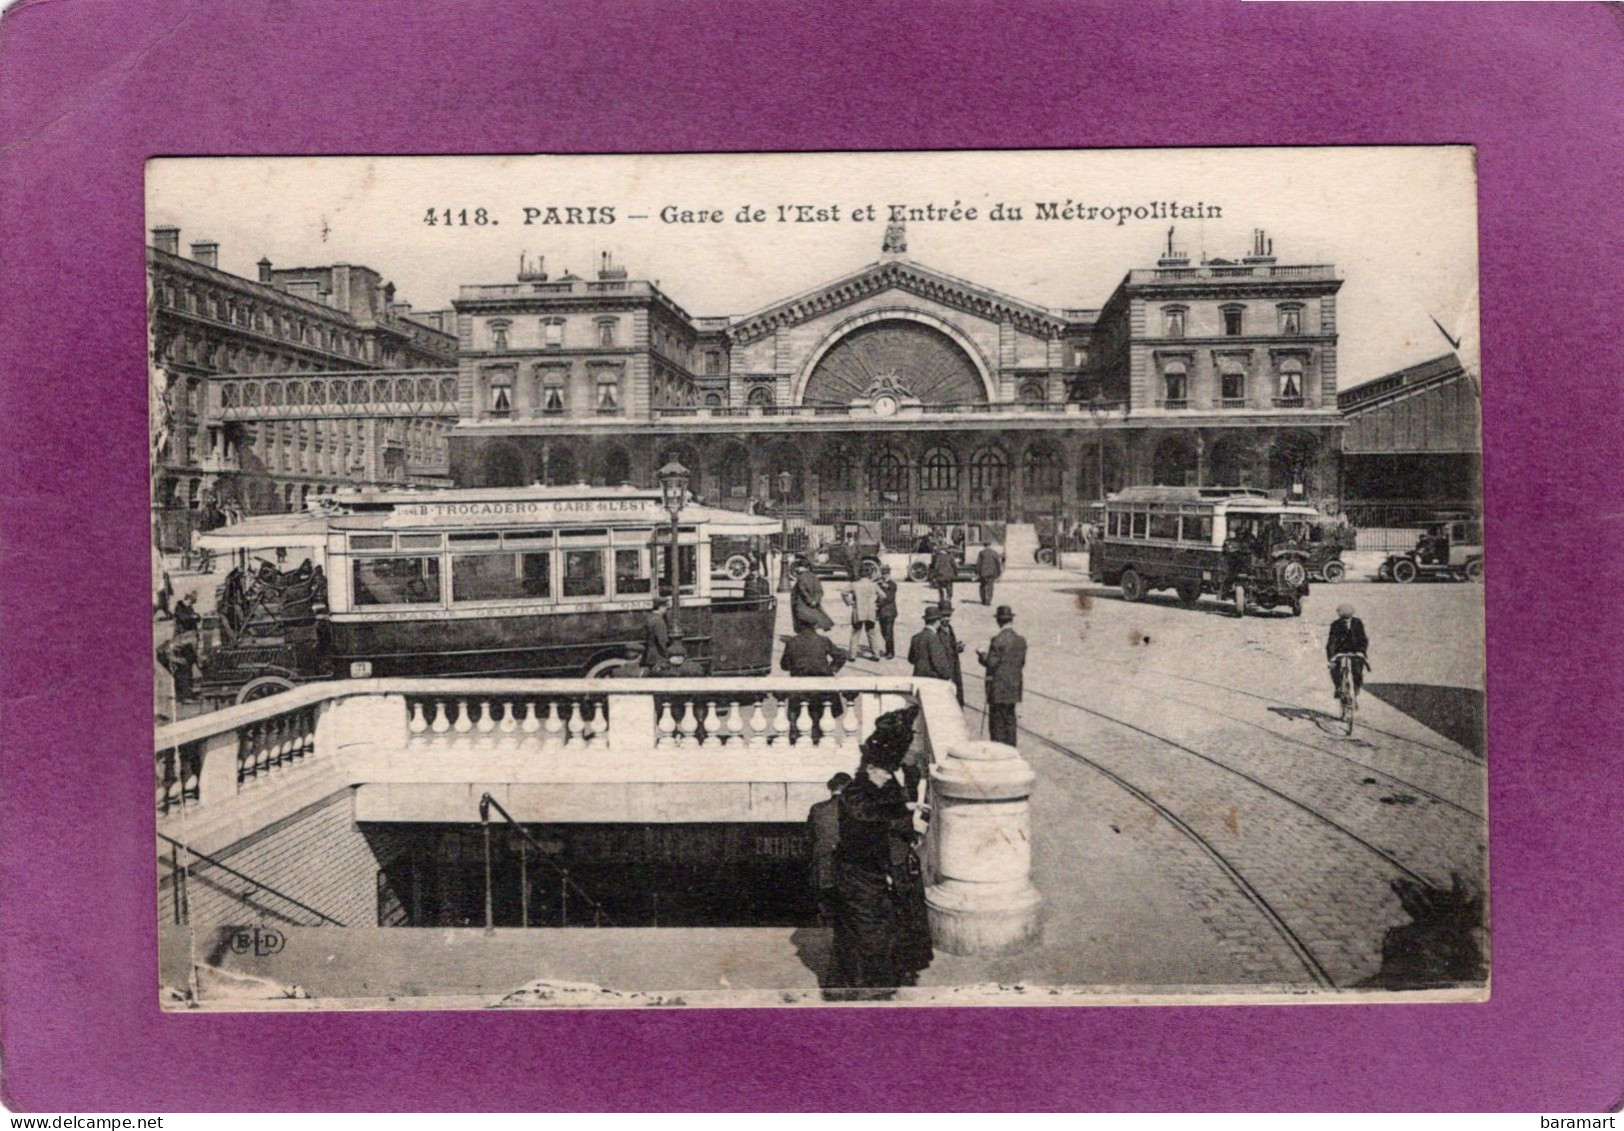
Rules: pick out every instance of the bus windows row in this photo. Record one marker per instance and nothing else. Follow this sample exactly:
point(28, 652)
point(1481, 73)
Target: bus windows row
point(485, 567)
point(1165, 525)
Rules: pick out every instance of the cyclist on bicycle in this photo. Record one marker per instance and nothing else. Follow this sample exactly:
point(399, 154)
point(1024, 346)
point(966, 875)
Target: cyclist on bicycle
point(1347, 637)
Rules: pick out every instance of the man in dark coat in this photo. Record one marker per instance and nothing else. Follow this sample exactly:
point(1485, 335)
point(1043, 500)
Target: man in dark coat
point(989, 568)
point(943, 569)
point(1347, 635)
point(823, 823)
point(186, 618)
point(1005, 661)
point(885, 610)
point(927, 653)
point(657, 639)
point(955, 649)
point(810, 653)
point(806, 601)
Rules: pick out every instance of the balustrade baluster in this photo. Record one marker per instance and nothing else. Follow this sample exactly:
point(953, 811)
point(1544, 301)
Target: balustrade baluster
point(664, 724)
point(553, 725)
point(735, 722)
point(850, 724)
point(759, 735)
point(464, 723)
point(419, 723)
point(531, 724)
point(442, 722)
point(781, 718)
point(572, 725)
point(597, 727)
point(509, 726)
point(801, 725)
point(486, 723)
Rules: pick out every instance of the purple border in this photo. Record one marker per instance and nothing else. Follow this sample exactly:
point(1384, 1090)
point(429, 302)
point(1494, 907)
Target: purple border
point(90, 90)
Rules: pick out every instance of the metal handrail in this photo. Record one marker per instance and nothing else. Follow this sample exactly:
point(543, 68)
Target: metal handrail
point(486, 804)
point(228, 869)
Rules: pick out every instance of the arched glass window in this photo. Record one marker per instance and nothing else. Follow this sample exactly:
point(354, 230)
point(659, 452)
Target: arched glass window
point(939, 470)
point(837, 470)
point(888, 473)
point(714, 400)
point(760, 396)
point(1032, 392)
point(1040, 467)
point(989, 471)
point(403, 391)
point(358, 393)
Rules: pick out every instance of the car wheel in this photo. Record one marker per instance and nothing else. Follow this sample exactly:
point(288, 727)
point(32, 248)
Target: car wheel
point(918, 571)
point(870, 568)
point(1404, 572)
point(1474, 570)
point(263, 687)
point(1045, 556)
point(737, 567)
point(1133, 586)
point(1334, 572)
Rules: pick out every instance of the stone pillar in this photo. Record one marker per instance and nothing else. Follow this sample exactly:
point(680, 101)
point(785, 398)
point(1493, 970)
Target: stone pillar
point(982, 900)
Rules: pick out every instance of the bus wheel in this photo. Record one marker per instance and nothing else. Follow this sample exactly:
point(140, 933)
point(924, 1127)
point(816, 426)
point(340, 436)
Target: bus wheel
point(1189, 592)
point(918, 571)
point(1133, 586)
point(263, 687)
point(1334, 572)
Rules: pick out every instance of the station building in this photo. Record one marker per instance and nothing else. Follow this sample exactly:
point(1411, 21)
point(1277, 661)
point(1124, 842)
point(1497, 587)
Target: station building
point(898, 386)
point(266, 444)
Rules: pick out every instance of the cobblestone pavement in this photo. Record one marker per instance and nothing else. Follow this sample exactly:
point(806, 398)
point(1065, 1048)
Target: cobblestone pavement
point(1219, 725)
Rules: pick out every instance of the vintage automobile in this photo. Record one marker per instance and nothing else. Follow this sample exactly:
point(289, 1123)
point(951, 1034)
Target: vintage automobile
point(1234, 542)
point(852, 550)
point(1324, 539)
point(964, 540)
point(1450, 549)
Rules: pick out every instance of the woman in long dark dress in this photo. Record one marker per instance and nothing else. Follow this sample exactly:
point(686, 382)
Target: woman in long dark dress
point(876, 939)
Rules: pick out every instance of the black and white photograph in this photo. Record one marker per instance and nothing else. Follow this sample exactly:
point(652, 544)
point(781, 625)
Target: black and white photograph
point(822, 580)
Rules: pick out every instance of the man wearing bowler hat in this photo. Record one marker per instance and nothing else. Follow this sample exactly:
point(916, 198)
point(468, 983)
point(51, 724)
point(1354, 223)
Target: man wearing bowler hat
point(950, 641)
point(926, 651)
point(1005, 660)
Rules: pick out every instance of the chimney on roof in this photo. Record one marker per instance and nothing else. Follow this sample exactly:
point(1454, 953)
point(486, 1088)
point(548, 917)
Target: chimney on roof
point(532, 272)
point(166, 239)
point(264, 268)
point(1262, 248)
point(206, 252)
point(1172, 256)
point(607, 268)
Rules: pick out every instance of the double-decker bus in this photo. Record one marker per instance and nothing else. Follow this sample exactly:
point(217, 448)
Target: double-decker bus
point(513, 582)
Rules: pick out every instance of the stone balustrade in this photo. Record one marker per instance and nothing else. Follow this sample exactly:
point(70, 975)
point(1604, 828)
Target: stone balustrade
point(612, 750)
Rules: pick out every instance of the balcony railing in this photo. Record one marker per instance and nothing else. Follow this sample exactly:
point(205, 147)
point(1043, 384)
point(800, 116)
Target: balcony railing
point(1174, 403)
point(1231, 402)
point(1288, 402)
point(972, 408)
point(1307, 272)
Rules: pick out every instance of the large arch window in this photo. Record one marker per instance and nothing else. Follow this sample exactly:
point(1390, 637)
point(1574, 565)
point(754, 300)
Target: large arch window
point(1174, 463)
point(733, 462)
point(989, 473)
point(1040, 468)
point(837, 470)
point(939, 470)
point(888, 474)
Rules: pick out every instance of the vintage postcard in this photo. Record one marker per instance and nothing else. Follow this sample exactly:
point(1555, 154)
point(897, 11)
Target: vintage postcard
point(818, 579)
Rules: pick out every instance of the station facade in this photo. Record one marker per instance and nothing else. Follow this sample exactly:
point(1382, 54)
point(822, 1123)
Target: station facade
point(898, 386)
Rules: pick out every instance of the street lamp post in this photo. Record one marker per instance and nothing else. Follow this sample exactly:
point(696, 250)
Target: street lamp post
point(673, 479)
point(784, 581)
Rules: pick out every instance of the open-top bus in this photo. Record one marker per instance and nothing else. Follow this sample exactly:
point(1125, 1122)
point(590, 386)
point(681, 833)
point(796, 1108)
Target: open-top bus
point(514, 582)
point(1236, 542)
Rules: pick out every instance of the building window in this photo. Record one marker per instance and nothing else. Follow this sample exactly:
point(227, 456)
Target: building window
point(499, 336)
point(939, 471)
point(501, 395)
point(1032, 392)
point(1291, 320)
point(1232, 321)
point(1173, 321)
point(714, 400)
point(1041, 469)
point(1232, 388)
point(888, 474)
point(989, 471)
point(1176, 385)
point(713, 361)
point(552, 333)
point(606, 332)
point(1291, 385)
point(761, 396)
point(608, 394)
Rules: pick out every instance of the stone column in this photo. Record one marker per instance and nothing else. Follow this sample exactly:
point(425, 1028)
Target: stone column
point(982, 900)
